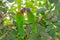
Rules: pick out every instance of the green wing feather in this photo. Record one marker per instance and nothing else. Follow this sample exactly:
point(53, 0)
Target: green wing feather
point(32, 19)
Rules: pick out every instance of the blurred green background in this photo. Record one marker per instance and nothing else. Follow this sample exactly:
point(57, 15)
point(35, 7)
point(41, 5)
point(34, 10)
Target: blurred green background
point(41, 23)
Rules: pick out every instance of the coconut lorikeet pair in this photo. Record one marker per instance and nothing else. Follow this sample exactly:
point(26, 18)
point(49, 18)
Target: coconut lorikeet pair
point(31, 19)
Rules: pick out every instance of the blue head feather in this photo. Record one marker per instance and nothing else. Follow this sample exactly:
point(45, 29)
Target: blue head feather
point(24, 9)
point(28, 9)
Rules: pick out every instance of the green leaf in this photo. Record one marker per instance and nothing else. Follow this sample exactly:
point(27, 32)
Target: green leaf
point(49, 28)
point(53, 1)
point(52, 33)
point(29, 4)
point(0, 3)
point(10, 1)
point(3, 9)
point(13, 8)
point(41, 10)
point(58, 7)
point(18, 3)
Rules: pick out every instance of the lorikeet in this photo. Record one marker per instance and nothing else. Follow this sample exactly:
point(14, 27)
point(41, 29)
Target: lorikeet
point(32, 19)
point(20, 21)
